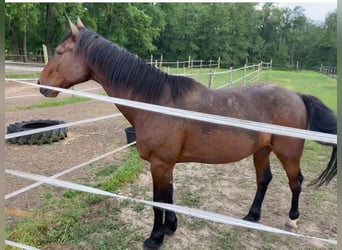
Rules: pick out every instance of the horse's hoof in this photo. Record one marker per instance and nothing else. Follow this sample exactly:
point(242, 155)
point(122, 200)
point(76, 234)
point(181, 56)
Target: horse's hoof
point(292, 224)
point(251, 218)
point(170, 227)
point(154, 242)
point(151, 245)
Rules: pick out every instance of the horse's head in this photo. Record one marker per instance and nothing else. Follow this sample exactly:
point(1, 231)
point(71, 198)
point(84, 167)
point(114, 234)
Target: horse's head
point(66, 68)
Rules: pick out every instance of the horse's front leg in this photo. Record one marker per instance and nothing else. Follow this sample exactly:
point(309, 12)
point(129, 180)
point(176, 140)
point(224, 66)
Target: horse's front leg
point(264, 177)
point(162, 192)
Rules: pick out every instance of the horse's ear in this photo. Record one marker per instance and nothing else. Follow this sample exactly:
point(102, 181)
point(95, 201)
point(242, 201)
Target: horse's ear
point(79, 23)
point(72, 27)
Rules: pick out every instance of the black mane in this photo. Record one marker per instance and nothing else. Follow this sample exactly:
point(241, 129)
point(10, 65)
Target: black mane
point(129, 71)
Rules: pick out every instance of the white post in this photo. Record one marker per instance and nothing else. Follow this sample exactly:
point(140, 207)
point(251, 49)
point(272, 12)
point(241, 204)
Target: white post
point(230, 77)
point(161, 61)
point(211, 78)
point(244, 74)
point(45, 54)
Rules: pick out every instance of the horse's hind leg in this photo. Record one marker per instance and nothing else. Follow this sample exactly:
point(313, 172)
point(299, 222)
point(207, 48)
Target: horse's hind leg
point(290, 159)
point(162, 192)
point(263, 178)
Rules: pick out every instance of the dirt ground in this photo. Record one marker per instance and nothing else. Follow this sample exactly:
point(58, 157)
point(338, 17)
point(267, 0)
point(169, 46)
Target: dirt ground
point(226, 189)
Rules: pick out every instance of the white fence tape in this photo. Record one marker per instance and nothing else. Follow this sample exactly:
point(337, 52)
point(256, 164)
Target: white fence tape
point(39, 95)
point(251, 125)
point(178, 209)
point(63, 125)
point(19, 245)
point(69, 170)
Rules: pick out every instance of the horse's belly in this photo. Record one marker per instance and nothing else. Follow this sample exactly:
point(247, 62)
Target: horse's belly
point(220, 146)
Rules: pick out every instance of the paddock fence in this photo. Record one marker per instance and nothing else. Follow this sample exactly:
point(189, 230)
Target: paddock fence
point(246, 71)
point(328, 70)
point(230, 77)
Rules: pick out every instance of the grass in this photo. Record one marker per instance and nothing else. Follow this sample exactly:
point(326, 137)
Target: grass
point(18, 76)
point(78, 218)
point(220, 78)
point(308, 82)
point(54, 103)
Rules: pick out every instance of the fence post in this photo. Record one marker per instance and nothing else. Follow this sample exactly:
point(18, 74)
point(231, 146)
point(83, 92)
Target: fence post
point(211, 77)
point(218, 62)
point(189, 62)
point(244, 74)
point(230, 76)
point(271, 64)
point(45, 53)
point(161, 61)
point(259, 70)
point(192, 65)
point(151, 60)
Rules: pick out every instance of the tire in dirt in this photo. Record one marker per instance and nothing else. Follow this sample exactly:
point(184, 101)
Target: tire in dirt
point(50, 136)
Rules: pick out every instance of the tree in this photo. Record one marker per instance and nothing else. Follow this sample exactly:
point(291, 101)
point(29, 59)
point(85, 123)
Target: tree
point(126, 25)
point(178, 38)
point(21, 18)
point(232, 31)
point(55, 21)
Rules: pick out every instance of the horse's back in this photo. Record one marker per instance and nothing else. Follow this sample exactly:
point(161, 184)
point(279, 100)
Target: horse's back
point(258, 102)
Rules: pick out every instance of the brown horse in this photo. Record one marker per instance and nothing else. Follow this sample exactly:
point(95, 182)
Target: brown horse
point(164, 140)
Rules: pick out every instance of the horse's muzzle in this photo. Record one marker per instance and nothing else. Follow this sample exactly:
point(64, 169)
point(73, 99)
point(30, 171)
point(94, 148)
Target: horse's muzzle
point(47, 92)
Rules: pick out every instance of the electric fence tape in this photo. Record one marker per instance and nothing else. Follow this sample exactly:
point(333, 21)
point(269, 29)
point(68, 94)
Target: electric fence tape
point(215, 217)
point(251, 125)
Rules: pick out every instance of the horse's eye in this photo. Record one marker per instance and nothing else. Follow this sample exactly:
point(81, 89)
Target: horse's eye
point(59, 52)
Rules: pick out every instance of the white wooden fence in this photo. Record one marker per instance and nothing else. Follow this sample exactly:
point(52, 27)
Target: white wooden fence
point(328, 70)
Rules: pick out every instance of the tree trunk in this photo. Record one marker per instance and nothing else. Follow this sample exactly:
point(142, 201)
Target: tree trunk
point(49, 28)
point(25, 45)
point(15, 45)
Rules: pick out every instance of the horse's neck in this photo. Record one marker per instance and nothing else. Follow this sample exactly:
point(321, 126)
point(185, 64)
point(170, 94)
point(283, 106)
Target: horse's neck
point(129, 113)
point(108, 86)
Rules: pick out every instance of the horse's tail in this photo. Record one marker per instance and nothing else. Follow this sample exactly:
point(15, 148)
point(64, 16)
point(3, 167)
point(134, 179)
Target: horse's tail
point(322, 119)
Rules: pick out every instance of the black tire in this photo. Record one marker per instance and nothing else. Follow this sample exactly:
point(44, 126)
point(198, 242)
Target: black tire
point(49, 136)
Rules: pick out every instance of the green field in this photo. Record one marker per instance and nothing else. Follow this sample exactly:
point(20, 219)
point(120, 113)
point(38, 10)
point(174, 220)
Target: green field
point(76, 219)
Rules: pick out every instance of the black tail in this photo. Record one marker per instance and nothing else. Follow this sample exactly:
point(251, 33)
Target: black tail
point(322, 119)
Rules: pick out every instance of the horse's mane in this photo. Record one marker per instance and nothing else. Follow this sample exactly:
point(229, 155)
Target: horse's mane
point(128, 71)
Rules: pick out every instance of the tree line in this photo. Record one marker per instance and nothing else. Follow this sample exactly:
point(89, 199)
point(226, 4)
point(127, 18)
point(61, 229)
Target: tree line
point(235, 32)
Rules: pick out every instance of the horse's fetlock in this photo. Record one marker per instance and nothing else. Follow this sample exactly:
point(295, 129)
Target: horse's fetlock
point(252, 216)
point(170, 225)
point(294, 215)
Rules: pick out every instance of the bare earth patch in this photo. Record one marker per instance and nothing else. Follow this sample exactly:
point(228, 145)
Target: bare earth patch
point(226, 189)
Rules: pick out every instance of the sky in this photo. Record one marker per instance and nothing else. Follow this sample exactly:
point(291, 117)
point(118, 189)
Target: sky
point(316, 11)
